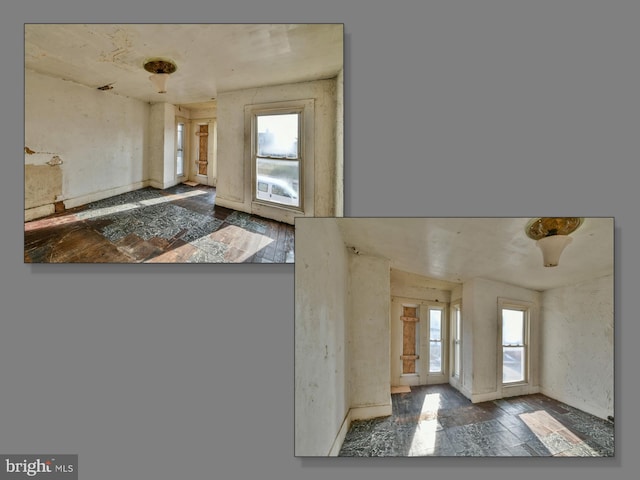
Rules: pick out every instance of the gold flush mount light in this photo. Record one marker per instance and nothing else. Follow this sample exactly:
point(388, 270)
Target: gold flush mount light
point(161, 69)
point(552, 235)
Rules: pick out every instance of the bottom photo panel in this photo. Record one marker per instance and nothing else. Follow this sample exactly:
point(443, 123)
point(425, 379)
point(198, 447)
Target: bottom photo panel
point(470, 337)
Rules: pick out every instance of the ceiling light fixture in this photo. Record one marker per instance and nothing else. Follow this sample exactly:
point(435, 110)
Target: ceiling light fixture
point(552, 235)
point(161, 70)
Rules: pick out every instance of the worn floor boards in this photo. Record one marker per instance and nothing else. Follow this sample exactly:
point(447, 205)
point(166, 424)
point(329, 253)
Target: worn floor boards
point(181, 224)
point(437, 420)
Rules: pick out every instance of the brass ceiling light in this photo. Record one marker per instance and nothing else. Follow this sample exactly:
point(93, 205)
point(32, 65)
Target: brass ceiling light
point(161, 70)
point(552, 235)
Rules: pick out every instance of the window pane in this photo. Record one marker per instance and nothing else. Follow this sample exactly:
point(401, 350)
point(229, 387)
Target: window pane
point(512, 364)
point(179, 150)
point(179, 164)
point(435, 357)
point(283, 176)
point(278, 135)
point(456, 341)
point(435, 331)
point(435, 337)
point(512, 327)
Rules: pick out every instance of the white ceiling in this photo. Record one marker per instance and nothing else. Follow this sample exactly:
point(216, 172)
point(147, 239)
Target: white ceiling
point(459, 249)
point(211, 58)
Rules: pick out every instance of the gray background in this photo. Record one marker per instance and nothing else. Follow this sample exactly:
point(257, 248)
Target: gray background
point(476, 108)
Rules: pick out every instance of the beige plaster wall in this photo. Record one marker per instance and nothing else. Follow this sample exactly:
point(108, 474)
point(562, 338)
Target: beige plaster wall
point(578, 345)
point(100, 137)
point(233, 163)
point(321, 325)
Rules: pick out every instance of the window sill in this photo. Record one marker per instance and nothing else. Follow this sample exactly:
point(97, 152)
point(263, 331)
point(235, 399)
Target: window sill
point(279, 206)
point(515, 384)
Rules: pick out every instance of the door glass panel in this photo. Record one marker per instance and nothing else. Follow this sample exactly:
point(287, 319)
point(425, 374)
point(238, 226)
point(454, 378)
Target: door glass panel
point(456, 345)
point(180, 150)
point(435, 341)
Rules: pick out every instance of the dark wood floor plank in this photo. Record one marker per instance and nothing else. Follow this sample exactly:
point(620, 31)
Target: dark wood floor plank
point(437, 420)
point(181, 224)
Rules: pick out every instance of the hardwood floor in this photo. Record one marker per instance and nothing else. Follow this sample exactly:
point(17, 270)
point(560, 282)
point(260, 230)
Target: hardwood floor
point(437, 420)
point(181, 224)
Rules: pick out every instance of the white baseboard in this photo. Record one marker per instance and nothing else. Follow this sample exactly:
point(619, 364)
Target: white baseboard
point(342, 433)
point(357, 413)
point(519, 390)
point(506, 393)
point(232, 204)
point(484, 397)
point(464, 392)
point(372, 411)
point(38, 212)
point(274, 213)
point(92, 197)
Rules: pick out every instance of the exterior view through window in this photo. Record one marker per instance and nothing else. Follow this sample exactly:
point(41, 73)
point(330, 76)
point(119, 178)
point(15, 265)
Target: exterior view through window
point(435, 340)
point(457, 337)
point(513, 345)
point(180, 150)
point(278, 158)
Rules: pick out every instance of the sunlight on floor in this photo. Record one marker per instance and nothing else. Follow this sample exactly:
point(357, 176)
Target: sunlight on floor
point(100, 212)
point(220, 246)
point(554, 435)
point(431, 403)
point(424, 437)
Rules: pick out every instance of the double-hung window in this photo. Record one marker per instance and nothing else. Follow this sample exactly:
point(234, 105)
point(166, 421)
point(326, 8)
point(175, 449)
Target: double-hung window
point(514, 345)
point(280, 149)
point(278, 157)
point(180, 131)
point(436, 353)
point(457, 341)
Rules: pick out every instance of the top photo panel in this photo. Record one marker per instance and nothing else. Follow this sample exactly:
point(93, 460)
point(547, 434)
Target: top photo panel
point(179, 143)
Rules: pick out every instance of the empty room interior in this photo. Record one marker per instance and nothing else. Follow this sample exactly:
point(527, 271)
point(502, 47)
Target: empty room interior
point(454, 337)
point(179, 143)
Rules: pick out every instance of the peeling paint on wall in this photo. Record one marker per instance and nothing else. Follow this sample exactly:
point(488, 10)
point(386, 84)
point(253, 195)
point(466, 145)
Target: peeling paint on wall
point(43, 185)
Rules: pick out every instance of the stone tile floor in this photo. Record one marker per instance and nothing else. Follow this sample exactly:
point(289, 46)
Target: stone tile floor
point(181, 224)
point(437, 420)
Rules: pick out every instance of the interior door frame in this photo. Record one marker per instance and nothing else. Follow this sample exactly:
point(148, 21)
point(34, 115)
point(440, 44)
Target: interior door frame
point(422, 375)
point(193, 174)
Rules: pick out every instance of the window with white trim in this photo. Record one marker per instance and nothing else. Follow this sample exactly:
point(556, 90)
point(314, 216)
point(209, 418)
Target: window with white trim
point(457, 341)
point(436, 350)
point(514, 343)
point(180, 133)
point(280, 151)
point(278, 157)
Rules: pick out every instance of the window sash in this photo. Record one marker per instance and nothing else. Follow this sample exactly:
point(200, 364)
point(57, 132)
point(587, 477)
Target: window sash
point(297, 156)
point(457, 341)
point(436, 350)
point(514, 342)
point(180, 130)
point(296, 162)
point(514, 371)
